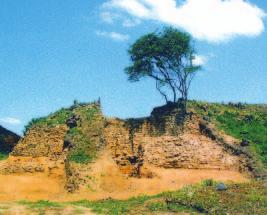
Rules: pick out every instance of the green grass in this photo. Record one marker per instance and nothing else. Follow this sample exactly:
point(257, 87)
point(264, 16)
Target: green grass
point(203, 198)
point(79, 156)
point(54, 119)
point(84, 147)
point(41, 204)
point(242, 121)
point(116, 207)
point(238, 199)
point(84, 144)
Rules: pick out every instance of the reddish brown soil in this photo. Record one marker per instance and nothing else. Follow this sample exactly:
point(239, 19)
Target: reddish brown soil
point(106, 180)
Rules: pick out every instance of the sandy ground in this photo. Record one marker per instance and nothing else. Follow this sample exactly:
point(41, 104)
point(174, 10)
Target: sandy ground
point(106, 181)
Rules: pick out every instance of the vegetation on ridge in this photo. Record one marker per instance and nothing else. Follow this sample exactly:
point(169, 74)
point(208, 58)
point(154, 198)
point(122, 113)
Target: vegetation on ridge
point(168, 58)
point(84, 138)
point(243, 121)
point(3, 156)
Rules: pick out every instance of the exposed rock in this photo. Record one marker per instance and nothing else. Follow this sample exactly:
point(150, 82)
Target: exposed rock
point(73, 121)
point(221, 187)
point(244, 143)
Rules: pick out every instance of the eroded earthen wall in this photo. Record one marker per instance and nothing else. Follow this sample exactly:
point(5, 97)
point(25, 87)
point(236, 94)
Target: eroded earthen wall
point(185, 147)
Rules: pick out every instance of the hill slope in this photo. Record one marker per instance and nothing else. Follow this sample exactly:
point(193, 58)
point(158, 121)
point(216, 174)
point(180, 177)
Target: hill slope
point(248, 123)
point(77, 153)
point(8, 140)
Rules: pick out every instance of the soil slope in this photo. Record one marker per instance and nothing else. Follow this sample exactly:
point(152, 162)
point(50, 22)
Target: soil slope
point(77, 153)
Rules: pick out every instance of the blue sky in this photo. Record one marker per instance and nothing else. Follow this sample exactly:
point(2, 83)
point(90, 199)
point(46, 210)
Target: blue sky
point(55, 51)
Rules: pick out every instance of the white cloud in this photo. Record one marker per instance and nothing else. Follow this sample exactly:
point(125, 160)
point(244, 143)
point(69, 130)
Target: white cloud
point(110, 17)
point(10, 121)
point(200, 60)
point(113, 35)
point(210, 20)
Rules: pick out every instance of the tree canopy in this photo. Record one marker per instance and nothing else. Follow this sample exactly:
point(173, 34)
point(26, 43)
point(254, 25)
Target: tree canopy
point(167, 57)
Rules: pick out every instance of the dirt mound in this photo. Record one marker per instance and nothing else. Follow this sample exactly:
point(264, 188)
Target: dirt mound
point(81, 154)
point(136, 144)
point(104, 179)
point(107, 180)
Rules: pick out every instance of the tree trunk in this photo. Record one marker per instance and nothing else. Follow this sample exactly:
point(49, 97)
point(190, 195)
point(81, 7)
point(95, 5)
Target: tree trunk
point(161, 92)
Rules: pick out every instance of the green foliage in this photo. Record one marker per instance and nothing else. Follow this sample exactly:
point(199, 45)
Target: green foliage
point(79, 156)
point(237, 199)
point(84, 148)
point(166, 57)
point(116, 207)
point(242, 121)
point(3, 156)
point(60, 116)
point(157, 206)
point(57, 118)
point(247, 198)
point(254, 129)
point(41, 204)
point(84, 145)
point(208, 182)
point(83, 151)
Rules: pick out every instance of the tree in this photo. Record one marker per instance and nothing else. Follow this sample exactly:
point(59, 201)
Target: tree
point(167, 57)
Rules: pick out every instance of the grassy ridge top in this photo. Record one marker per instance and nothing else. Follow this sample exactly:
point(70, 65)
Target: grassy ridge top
point(242, 121)
point(84, 137)
point(60, 117)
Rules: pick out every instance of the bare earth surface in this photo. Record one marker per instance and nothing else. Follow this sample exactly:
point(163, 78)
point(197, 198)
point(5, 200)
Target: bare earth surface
point(106, 180)
point(17, 209)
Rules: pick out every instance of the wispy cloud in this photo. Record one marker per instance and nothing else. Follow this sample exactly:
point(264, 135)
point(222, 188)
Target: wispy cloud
point(10, 121)
point(113, 35)
point(130, 22)
point(111, 17)
point(210, 20)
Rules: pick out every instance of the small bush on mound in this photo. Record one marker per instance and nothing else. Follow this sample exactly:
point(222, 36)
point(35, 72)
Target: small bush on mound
point(208, 182)
point(79, 156)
